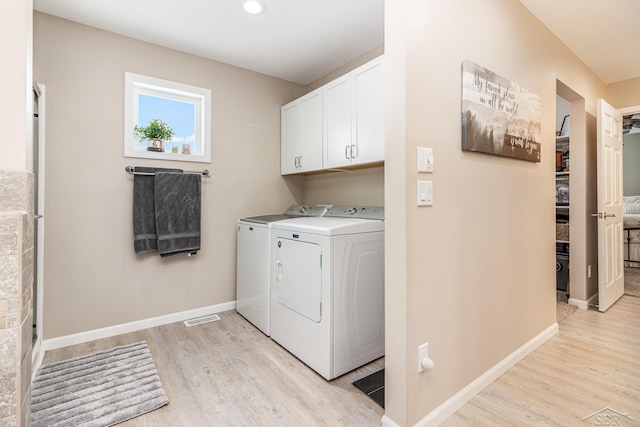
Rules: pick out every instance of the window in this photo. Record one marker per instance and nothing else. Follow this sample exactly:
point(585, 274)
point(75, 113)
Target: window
point(185, 109)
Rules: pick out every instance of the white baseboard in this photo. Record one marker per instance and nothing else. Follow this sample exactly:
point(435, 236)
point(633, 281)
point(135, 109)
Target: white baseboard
point(125, 328)
point(448, 408)
point(580, 303)
point(388, 422)
point(37, 354)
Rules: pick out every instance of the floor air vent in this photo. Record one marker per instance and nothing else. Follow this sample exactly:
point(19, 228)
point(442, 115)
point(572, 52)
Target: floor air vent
point(201, 320)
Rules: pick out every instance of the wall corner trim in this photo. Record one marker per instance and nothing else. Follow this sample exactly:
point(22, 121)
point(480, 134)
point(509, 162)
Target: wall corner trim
point(449, 407)
point(110, 331)
point(388, 422)
point(582, 304)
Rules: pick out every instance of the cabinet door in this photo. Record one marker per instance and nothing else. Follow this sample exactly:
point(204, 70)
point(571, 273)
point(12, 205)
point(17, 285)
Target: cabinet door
point(310, 132)
point(368, 84)
point(337, 106)
point(289, 124)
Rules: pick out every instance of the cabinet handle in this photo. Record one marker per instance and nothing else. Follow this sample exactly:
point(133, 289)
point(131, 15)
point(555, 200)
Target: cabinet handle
point(354, 148)
point(300, 161)
point(295, 162)
point(346, 152)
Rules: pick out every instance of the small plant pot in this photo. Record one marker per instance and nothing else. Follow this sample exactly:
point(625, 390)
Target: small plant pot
point(154, 144)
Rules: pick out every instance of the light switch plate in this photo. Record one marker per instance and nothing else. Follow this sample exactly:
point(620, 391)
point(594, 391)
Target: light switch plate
point(425, 193)
point(425, 159)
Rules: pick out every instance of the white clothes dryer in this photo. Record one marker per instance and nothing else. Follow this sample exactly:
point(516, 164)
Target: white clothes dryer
point(253, 271)
point(327, 298)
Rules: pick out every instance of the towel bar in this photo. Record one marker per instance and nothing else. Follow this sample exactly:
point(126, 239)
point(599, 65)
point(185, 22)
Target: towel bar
point(132, 171)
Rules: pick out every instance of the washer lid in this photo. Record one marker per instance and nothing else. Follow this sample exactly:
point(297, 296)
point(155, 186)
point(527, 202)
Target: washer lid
point(330, 226)
point(265, 219)
point(294, 211)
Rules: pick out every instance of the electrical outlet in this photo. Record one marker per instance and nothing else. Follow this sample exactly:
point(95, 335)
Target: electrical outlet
point(423, 353)
point(589, 271)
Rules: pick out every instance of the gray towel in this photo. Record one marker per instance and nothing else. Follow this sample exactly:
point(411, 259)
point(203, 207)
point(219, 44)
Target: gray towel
point(144, 211)
point(177, 203)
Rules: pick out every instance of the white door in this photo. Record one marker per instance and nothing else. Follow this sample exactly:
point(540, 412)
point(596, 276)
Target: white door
point(609, 215)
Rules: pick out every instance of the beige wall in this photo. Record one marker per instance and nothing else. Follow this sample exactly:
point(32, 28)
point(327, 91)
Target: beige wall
point(354, 63)
point(625, 93)
point(15, 84)
point(365, 188)
point(93, 278)
point(473, 275)
point(479, 266)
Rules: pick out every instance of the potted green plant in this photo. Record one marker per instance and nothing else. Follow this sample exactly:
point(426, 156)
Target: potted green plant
point(156, 133)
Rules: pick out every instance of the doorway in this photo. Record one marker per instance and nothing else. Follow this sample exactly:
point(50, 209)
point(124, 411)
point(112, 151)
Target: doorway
point(562, 199)
point(631, 200)
point(579, 136)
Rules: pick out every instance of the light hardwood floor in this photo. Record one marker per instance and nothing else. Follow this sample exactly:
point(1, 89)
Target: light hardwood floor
point(227, 373)
point(593, 363)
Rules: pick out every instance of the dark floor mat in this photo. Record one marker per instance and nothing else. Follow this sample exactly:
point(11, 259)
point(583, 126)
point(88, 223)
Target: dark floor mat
point(373, 386)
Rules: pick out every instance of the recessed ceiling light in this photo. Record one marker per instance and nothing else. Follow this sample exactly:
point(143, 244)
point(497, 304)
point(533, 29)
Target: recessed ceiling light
point(254, 7)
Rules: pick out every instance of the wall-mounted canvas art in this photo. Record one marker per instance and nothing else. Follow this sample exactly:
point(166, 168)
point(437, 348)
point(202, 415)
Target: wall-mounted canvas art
point(498, 116)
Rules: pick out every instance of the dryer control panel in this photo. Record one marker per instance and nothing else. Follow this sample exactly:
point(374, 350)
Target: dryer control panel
point(309, 210)
point(362, 212)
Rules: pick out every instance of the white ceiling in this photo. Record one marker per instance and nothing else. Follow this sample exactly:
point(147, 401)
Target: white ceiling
point(303, 40)
point(296, 40)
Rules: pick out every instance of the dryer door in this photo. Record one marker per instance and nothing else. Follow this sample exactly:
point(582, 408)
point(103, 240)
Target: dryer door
point(298, 284)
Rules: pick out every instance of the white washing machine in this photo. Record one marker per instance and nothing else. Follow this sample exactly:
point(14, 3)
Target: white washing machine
point(327, 300)
point(253, 263)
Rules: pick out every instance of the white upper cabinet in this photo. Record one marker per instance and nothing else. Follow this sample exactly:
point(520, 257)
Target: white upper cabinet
point(353, 107)
point(337, 108)
point(338, 125)
point(301, 134)
point(369, 113)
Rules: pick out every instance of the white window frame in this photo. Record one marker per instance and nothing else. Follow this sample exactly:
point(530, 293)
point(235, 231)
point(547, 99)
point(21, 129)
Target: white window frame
point(137, 84)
